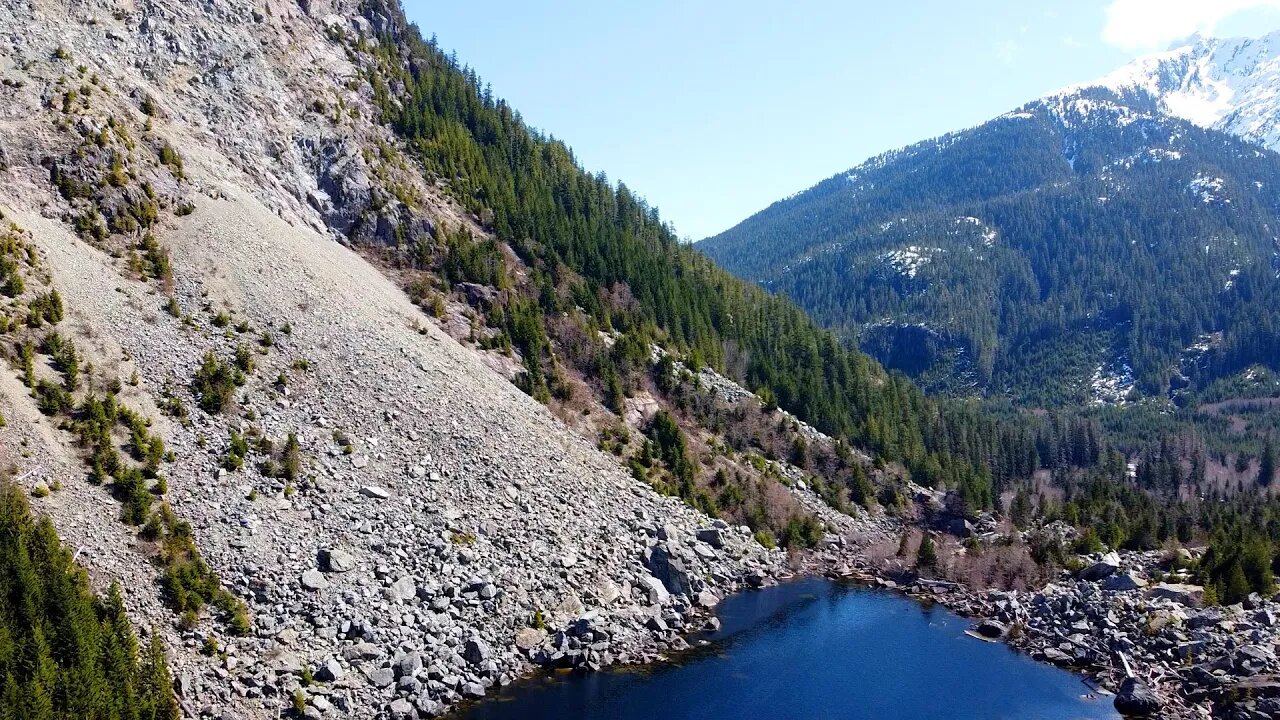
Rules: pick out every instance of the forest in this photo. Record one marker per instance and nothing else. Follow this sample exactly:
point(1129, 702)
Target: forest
point(65, 653)
point(1030, 253)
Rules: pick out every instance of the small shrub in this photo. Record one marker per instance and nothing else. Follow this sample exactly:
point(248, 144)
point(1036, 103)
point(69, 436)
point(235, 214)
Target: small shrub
point(215, 383)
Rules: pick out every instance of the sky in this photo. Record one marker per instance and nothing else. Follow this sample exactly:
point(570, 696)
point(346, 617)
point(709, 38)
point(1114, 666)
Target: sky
point(713, 109)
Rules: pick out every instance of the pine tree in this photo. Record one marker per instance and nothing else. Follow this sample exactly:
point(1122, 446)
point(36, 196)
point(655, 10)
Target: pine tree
point(927, 553)
point(1267, 464)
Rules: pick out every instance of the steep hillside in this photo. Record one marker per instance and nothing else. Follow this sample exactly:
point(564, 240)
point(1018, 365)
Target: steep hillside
point(254, 430)
point(1080, 248)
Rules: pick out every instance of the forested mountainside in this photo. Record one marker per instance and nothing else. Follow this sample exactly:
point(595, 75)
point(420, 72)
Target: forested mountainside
point(592, 253)
point(597, 255)
point(1081, 248)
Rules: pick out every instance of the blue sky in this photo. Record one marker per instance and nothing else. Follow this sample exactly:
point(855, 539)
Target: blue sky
point(713, 109)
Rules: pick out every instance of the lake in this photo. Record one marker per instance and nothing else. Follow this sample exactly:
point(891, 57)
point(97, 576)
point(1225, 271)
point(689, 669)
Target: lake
point(817, 649)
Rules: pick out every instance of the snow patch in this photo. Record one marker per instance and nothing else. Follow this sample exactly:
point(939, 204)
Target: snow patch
point(1111, 385)
point(907, 261)
point(1207, 188)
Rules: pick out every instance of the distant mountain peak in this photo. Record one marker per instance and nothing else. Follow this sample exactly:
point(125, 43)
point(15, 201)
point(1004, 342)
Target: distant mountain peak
point(1227, 84)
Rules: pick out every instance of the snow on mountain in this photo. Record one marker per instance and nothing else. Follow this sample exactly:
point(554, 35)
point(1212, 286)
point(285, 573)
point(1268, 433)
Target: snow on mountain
point(1228, 84)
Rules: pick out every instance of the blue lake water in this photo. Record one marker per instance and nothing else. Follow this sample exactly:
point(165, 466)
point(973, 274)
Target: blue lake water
point(817, 649)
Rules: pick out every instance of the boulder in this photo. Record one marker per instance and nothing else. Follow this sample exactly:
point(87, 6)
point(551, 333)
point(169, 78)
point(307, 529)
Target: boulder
point(402, 589)
point(960, 527)
point(670, 570)
point(1102, 569)
point(475, 651)
point(406, 664)
point(330, 671)
point(313, 580)
point(335, 560)
point(993, 629)
point(1189, 595)
point(1136, 699)
point(375, 492)
point(530, 638)
point(711, 536)
point(654, 591)
point(1124, 581)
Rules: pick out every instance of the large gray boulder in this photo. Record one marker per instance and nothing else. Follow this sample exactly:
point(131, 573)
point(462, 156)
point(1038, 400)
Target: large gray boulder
point(711, 536)
point(654, 591)
point(335, 560)
point(1136, 699)
point(1102, 569)
point(1189, 595)
point(1124, 581)
point(671, 570)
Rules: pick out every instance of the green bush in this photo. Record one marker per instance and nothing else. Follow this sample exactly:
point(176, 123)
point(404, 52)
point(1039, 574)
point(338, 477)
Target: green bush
point(215, 383)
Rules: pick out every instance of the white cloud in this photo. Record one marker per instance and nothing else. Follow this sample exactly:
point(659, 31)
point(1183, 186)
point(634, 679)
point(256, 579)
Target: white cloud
point(1139, 25)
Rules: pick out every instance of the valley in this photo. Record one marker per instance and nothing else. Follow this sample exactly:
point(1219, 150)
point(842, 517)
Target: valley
point(347, 393)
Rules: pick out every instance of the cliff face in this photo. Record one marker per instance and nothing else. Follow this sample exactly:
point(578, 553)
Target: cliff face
point(396, 518)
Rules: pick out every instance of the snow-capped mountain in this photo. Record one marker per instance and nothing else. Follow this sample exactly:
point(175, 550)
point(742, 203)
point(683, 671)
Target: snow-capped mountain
point(1044, 254)
point(1227, 84)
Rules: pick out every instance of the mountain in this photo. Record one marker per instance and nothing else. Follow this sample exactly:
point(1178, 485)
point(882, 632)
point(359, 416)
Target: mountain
point(370, 399)
point(1086, 246)
point(343, 371)
point(1223, 84)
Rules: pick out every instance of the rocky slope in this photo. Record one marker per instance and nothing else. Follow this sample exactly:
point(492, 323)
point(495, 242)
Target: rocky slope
point(443, 532)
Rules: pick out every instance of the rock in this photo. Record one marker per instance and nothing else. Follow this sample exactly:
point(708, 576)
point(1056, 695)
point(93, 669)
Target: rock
point(473, 690)
point(330, 671)
point(654, 591)
point(406, 664)
point(1103, 568)
point(707, 599)
point(402, 709)
point(1189, 595)
point(961, 528)
point(607, 592)
point(313, 580)
point(338, 561)
point(670, 570)
point(530, 638)
point(382, 677)
point(1136, 699)
point(402, 589)
point(1123, 582)
point(375, 492)
point(993, 629)
point(475, 651)
point(711, 536)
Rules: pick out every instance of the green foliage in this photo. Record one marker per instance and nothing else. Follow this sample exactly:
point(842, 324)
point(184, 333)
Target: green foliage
point(155, 257)
point(927, 553)
point(66, 653)
point(1003, 268)
point(609, 252)
point(215, 383)
point(1238, 563)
